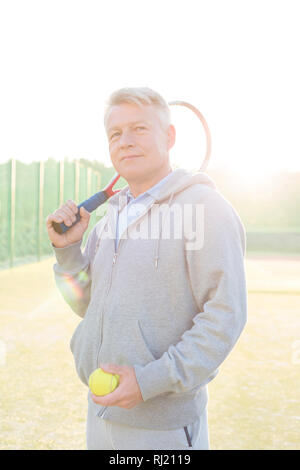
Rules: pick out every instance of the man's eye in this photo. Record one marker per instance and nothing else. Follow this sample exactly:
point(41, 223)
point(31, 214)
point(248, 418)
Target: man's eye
point(114, 135)
point(140, 127)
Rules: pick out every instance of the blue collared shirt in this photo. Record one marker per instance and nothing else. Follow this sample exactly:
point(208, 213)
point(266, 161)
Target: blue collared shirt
point(135, 206)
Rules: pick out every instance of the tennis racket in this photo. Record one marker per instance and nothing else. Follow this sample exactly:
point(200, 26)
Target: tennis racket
point(90, 204)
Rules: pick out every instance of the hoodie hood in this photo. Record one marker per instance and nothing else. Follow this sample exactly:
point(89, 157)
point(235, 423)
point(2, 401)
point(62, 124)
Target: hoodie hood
point(179, 180)
point(182, 179)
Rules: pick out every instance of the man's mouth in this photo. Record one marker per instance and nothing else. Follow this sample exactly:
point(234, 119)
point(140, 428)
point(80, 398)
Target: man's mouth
point(129, 157)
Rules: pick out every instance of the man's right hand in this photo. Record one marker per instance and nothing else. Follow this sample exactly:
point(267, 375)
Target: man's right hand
point(66, 214)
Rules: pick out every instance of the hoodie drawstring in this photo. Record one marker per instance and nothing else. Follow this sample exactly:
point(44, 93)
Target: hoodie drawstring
point(156, 257)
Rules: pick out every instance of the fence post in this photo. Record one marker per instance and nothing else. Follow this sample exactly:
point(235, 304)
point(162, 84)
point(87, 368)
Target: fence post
point(12, 211)
point(98, 188)
point(89, 182)
point(77, 179)
point(40, 207)
point(61, 182)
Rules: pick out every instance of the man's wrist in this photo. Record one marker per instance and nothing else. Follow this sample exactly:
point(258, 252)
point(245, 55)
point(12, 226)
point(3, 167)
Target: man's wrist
point(70, 257)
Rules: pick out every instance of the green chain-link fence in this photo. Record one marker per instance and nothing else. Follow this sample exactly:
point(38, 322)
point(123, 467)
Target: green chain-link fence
point(29, 193)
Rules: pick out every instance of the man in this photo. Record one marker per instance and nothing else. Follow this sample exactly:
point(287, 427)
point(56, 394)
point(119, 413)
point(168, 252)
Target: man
point(162, 311)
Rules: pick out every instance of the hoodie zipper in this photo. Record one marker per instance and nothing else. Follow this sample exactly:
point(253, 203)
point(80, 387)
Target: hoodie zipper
point(111, 274)
point(114, 262)
point(106, 295)
point(100, 414)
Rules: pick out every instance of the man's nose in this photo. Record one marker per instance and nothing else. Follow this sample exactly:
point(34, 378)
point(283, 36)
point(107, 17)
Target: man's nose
point(126, 139)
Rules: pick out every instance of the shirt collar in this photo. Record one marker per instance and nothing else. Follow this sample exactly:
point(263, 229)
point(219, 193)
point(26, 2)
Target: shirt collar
point(153, 191)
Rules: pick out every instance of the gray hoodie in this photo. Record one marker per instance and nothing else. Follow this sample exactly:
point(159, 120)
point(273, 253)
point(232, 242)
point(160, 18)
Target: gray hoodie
point(171, 308)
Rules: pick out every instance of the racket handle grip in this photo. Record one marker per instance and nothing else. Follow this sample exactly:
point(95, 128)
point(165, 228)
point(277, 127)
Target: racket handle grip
point(89, 204)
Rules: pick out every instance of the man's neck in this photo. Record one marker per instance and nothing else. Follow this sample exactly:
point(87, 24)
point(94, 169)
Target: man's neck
point(137, 188)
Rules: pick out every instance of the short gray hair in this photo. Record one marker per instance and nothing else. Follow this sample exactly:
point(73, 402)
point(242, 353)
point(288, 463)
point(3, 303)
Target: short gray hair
point(141, 96)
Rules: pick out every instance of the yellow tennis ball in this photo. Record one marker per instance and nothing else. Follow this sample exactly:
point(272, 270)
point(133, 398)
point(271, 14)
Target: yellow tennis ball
point(101, 383)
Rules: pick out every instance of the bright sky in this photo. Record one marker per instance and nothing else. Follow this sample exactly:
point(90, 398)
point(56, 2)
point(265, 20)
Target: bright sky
point(236, 61)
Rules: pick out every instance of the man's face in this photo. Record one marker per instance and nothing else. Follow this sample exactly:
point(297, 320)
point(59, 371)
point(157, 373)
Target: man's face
point(138, 146)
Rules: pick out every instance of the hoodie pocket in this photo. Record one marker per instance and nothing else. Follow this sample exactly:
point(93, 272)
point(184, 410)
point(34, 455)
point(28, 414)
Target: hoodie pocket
point(143, 341)
point(126, 343)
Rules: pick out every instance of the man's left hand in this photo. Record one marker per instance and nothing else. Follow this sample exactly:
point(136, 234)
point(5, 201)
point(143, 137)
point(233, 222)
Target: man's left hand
point(127, 394)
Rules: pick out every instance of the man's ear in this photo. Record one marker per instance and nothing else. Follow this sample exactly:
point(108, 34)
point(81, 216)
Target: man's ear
point(171, 136)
